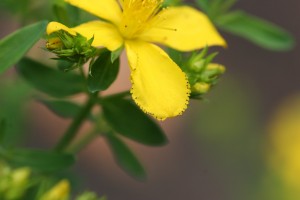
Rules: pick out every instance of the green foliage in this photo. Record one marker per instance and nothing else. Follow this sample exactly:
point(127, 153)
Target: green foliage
point(125, 158)
point(44, 161)
point(256, 30)
point(65, 109)
point(41, 77)
point(65, 13)
point(2, 129)
point(14, 95)
point(14, 46)
point(128, 120)
point(102, 72)
point(259, 31)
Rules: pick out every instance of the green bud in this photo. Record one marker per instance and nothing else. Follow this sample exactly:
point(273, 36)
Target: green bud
point(200, 88)
point(90, 196)
point(60, 191)
point(17, 183)
point(74, 48)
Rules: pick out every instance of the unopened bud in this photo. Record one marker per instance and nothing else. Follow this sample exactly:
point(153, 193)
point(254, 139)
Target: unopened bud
point(18, 183)
point(60, 191)
point(54, 43)
point(200, 88)
point(90, 196)
point(214, 66)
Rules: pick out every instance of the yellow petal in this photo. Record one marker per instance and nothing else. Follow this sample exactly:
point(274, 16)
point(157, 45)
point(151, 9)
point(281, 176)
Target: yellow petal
point(159, 86)
point(56, 26)
point(183, 28)
point(105, 34)
point(106, 9)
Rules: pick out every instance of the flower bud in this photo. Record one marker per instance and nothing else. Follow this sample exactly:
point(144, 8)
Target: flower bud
point(76, 49)
point(90, 196)
point(200, 88)
point(17, 183)
point(60, 191)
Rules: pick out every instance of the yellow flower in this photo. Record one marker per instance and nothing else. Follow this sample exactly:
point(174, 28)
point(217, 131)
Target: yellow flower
point(285, 143)
point(159, 86)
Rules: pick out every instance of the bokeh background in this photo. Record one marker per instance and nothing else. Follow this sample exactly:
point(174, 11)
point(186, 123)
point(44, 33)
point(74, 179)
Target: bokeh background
point(241, 143)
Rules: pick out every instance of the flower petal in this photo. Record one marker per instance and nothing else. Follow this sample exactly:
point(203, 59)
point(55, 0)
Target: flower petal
point(106, 9)
point(183, 28)
point(105, 34)
point(159, 87)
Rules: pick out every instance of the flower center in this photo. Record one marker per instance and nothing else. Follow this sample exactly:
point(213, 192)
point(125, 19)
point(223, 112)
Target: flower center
point(137, 16)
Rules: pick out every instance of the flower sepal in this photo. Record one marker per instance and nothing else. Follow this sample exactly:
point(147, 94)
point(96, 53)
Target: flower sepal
point(202, 73)
point(76, 49)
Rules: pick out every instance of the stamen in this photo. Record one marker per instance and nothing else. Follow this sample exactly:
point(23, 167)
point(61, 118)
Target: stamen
point(137, 15)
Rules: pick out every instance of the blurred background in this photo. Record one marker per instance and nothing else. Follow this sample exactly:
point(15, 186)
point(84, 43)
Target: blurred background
point(242, 142)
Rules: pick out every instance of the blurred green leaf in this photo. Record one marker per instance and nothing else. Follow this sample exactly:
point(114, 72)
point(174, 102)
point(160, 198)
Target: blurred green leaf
point(14, 46)
point(14, 95)
point(50, 81)
point(102, 72)
point(258, 31)
point(44, 161)
point(127, 119)
point(203, 4)
point(125, 158)
point(2, 130)
point(65, 13)
point(65, 109)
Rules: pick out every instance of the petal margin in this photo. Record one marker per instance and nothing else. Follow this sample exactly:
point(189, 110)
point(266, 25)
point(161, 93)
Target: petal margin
point(183, 28)
point(159, 87)
point(105, 34)
point(106, 9)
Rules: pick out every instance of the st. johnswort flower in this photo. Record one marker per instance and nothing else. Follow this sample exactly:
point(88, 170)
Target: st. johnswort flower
point(159, 86)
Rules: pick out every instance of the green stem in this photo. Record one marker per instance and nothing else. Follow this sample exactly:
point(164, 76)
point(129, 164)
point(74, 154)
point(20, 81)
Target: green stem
point(75, 125)
point(101, 127)
point(83, 142)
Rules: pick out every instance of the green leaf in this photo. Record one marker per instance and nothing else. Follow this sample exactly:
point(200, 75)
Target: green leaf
point(63, 109)
point(12, 109)
point(256, 30)
point(125, 158)
point(127, 119)
point(48, 80)
point(102, 72)
point(203, 4)
point(14, 46)
point(116, 54)
point(44, 161)
point(2, 130)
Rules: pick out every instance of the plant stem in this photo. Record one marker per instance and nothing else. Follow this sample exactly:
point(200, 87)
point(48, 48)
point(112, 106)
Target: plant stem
point(83, 142)
point(101, 127)
point(75, 125)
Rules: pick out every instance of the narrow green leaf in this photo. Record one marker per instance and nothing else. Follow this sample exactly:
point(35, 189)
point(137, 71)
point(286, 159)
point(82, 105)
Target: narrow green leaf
point(203, 4)
point(2, 130)
point(45, 161)
point(65, 109)
point(256, 30)
point(50, 81)
point(116, 54)
point(14, 46)
point(125, 158)
point(103, 72)
point(127, 119)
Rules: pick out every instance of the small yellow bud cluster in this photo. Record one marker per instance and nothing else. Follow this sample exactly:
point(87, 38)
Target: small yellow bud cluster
point(202, 74)
point(13, 183)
